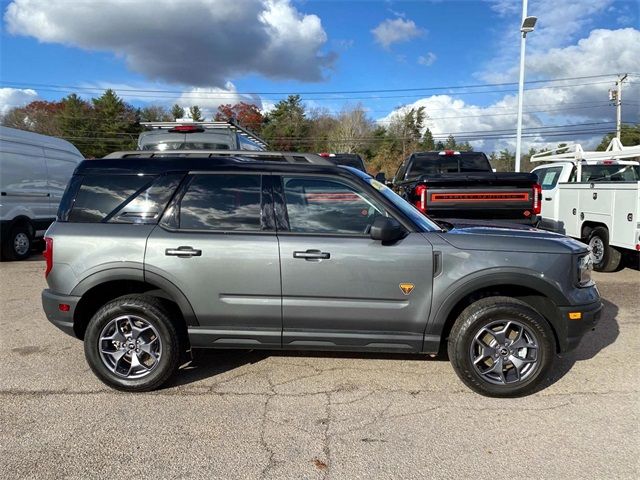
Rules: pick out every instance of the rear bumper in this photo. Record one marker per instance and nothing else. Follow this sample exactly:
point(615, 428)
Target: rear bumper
point(51, 302)
point(576, 329)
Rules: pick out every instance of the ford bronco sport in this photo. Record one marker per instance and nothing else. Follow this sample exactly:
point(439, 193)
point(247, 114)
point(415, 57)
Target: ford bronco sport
point(150, 257)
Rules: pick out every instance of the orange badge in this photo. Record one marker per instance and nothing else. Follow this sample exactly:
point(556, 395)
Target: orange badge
point(406, 288)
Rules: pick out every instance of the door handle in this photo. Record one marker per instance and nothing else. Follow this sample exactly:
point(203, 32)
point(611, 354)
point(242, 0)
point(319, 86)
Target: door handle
point(548, 199)
point(183, 252)
point(312, 255)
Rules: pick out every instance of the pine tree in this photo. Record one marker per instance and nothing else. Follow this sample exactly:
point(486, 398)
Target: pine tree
point(286, 125)
point(196, 114)
point(177, 112)
point(427, 143)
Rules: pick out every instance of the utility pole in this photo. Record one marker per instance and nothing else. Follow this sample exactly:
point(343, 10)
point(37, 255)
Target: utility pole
point(616, 97)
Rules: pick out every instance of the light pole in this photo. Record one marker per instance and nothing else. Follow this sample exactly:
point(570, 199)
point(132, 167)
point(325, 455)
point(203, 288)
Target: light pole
point(528, 24)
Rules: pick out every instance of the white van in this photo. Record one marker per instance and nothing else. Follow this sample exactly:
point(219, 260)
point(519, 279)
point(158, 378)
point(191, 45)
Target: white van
point(34, 171)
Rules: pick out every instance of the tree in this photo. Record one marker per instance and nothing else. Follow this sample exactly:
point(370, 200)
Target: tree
point(629, 135)
point(450, 144)
point(117, 125)
point(78, 124)
point(177, 112)
point(427, 142)
point(38, 116)
point(351, 132)
point(286, 126)
point(196, 114)
point(246, 114)
point(155, 113)
point(321, 124)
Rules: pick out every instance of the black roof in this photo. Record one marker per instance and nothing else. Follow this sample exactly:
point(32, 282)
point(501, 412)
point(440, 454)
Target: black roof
point(160, 165)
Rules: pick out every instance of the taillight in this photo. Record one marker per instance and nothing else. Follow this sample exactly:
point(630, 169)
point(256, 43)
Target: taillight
point(421, 200)
point(537, 199)
point(186, 129)
point(48, 255)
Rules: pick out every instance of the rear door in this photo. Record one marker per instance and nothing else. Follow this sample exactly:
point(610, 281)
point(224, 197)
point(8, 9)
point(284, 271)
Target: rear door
point(217, 244)
point(341, 289)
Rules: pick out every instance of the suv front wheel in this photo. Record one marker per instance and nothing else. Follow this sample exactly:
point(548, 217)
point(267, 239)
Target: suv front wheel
point(131, 344)
point(501, 347)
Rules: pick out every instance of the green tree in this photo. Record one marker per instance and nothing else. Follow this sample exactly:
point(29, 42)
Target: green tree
point(450, 144)
point(78, 124)
point(629, 135)
point(155, 113)
point(286, 126)
point(177, 112)
point(427, 142)
point(117, 125)
point(196, 114)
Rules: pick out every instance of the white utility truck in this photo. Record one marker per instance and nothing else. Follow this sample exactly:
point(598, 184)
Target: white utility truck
point(34, 171)
point(594, 197)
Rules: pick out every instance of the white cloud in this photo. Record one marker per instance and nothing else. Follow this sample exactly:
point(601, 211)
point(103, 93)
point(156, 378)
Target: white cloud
point(194, 42)
point(428, 59)
point(209, 99)
point(15, 97)
point(396, 30)
point(559, 24)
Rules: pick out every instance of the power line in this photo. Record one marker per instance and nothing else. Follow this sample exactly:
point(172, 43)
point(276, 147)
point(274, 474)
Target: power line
point(326, 92)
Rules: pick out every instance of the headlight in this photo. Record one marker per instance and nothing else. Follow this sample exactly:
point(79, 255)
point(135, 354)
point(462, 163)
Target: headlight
point(585, 266)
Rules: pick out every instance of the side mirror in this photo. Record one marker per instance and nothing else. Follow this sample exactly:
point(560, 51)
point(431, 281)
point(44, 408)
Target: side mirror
point(386, 230)
point(381, 177)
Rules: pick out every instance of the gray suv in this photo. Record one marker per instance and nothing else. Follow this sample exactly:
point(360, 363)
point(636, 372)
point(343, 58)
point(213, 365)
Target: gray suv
point(150, 257)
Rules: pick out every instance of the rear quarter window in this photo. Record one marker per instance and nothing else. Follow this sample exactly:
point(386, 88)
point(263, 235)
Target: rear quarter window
point(117, 198)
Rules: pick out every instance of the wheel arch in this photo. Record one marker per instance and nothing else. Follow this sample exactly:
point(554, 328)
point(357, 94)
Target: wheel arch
point(98, 289)
point(537, 293)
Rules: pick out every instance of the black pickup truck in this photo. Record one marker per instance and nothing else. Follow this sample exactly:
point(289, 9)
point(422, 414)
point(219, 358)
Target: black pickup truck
point(451, 184)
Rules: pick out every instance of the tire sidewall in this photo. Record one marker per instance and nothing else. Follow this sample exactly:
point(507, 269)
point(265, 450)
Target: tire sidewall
point(9, 246)
point(602, 234)
point(487, 315)
point(168, 337)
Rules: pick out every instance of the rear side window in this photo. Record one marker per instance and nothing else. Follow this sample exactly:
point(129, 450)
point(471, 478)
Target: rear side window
point(222, 202)
point(548, 177)
point(118, 198)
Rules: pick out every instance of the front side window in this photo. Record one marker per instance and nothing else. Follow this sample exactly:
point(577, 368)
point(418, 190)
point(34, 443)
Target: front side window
point(222, 202)
point(319, 205)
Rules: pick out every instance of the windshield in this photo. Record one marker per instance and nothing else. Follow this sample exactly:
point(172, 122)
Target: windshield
point(409, 210)
point(434, 163)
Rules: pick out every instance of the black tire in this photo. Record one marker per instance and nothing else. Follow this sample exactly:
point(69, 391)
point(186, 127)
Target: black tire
point(490, 311)
point(151, 311)
point(605, 257)
point(18, 244)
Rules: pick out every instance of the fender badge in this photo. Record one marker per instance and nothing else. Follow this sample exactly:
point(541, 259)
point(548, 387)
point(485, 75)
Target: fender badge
point(407, 288)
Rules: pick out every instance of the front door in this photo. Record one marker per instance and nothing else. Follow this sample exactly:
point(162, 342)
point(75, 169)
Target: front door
point(341, 289)
point(220, 249)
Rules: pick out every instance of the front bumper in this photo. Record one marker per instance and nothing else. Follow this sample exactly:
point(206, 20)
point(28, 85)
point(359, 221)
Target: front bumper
point(576, 328)
point(51, 303)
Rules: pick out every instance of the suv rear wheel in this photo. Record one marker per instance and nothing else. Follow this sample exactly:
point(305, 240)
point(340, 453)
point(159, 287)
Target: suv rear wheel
point(131, 344)
point(501, 347)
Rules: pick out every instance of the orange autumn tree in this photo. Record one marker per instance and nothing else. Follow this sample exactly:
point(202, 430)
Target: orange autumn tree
point(246, 114)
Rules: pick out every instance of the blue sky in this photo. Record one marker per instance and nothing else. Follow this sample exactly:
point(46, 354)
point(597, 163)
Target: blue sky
point(325, 46)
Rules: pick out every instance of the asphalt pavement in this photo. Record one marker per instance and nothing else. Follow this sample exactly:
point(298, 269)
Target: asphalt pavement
point(245, 415)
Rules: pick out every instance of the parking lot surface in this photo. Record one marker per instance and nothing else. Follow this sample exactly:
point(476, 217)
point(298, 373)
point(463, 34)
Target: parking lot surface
point(235, 414)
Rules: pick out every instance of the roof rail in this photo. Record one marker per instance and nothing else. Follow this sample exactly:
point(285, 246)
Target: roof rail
point(288, 157)
point(575, 153)
point(230, 124)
